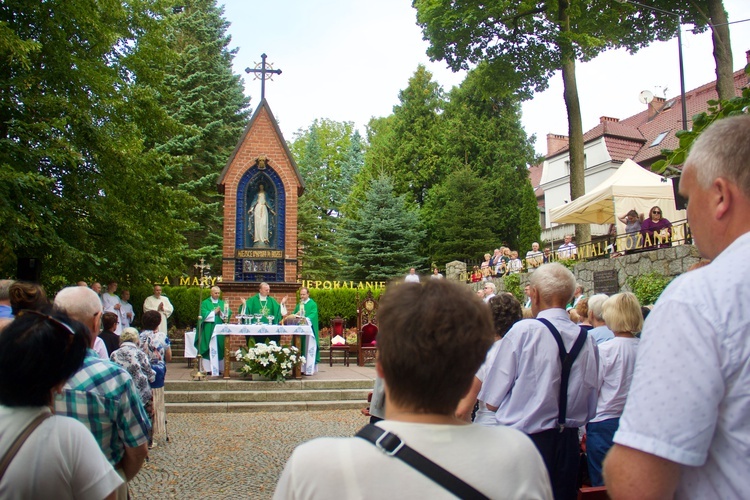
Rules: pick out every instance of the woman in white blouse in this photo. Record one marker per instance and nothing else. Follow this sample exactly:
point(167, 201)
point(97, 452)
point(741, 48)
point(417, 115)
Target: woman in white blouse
point(622, 313)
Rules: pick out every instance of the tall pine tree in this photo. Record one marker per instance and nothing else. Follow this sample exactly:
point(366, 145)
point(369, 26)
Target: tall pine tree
point(382, 238)
point(207, 100)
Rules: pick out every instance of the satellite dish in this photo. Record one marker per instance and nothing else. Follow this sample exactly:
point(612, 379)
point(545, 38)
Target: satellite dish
point(645, 97)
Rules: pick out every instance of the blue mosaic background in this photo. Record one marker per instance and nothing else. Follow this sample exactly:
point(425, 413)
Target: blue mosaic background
point(250, 179)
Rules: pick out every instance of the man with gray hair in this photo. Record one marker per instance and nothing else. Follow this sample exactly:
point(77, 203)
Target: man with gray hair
point(489, 291)
point(543, 380)
point(102, 396)
point(5, 309)
point(685, 431)
point(600, 333)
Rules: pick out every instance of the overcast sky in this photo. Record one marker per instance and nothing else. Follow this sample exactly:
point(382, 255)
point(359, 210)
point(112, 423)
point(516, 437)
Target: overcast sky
point(347, 60)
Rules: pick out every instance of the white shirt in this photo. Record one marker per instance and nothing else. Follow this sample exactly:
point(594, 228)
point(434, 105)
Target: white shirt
point(109, 300)
point(499, 462)
point(152, 304)
point(412, 278)
point(60, 459)
point(616, 366)
point(515, 266)
point(524, 380)
point(567, 251)
point(101, 349)
point(601, 334)
point(690, 399)
point(125, 308)
point(488, 297)
point(484, 415)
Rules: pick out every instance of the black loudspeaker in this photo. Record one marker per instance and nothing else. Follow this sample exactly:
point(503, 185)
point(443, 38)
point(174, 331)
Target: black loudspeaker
point(680, 203)
point(29, 269)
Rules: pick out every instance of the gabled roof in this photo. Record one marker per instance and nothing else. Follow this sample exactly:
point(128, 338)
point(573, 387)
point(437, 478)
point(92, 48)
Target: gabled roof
point(535, 177)
point(263, 105)
point(633, 136)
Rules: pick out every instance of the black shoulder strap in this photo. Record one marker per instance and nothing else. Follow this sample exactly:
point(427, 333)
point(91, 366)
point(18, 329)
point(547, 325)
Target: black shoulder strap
point(566, 360)
point(391, 445)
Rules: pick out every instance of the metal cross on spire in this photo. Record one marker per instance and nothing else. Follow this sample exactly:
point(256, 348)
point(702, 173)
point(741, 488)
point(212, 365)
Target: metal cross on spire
point(266, 72)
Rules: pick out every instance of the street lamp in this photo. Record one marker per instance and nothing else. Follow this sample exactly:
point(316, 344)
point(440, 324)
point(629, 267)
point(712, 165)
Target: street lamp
point(679, 48)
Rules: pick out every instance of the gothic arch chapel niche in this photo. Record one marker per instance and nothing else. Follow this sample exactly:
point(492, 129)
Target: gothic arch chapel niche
point(262, 213)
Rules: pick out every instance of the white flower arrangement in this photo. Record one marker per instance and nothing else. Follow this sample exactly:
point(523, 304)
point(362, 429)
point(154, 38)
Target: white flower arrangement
point(269, 360)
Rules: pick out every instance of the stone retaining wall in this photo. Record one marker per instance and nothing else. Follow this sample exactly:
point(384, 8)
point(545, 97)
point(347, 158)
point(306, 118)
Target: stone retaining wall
point(670, 262)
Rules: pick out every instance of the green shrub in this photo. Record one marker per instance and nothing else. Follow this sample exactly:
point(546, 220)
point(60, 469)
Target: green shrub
point(512, 284)
point(339, 302)
point(648, 287)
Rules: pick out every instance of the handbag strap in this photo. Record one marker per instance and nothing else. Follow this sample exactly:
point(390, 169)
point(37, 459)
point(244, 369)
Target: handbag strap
point(19, 441)
point(391, 445)
point(566, 361)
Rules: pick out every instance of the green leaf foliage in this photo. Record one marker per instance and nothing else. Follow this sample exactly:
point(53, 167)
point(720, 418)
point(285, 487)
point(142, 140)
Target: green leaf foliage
point(382, 238)
point(83, 190)
point(648, 287)
point(512, 284)
point(408, 145)
point(328, 154)
point(340, 302)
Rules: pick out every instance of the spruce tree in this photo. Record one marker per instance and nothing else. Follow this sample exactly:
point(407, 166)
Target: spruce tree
point(382, 238)
point(207, 100)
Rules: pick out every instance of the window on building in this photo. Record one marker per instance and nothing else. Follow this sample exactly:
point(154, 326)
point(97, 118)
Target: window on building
point(659, 138)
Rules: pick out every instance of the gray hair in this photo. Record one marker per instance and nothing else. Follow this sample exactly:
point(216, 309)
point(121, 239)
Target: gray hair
point(723, 150)
point(79, 303)
point(4, 287)
point(130, 334)
point(554, 281)
point(491, 285)
point(596, 305)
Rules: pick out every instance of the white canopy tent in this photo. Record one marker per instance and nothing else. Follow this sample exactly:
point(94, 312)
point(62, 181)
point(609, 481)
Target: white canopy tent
point(629, 187)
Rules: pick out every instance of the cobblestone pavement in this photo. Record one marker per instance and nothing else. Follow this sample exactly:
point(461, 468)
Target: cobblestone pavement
point(232, 455)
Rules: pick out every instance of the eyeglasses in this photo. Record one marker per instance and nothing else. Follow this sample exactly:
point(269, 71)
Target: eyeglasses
point(47, 317)
point(656, 212)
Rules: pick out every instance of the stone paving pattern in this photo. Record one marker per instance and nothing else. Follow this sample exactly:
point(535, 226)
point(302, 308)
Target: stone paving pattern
point(233, 455)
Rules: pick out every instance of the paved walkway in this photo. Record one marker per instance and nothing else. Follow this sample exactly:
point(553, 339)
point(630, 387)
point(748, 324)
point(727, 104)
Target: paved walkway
point(237, 455)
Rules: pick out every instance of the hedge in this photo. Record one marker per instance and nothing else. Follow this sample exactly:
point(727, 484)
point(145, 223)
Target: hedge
point(339, 302)
point(331, 303)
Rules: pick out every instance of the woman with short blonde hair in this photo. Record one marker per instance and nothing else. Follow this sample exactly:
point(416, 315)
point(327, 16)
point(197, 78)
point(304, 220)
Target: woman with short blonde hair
point(622, 313)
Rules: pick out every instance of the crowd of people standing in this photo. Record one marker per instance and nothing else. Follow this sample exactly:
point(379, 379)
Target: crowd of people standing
point(106, 377)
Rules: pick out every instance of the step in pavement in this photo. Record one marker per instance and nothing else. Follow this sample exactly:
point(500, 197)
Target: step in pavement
point(332, 388)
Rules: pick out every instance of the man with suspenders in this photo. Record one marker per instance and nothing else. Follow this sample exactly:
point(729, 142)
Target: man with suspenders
point(544, 378)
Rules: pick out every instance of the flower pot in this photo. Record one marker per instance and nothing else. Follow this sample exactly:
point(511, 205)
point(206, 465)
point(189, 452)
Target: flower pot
point(260, 378)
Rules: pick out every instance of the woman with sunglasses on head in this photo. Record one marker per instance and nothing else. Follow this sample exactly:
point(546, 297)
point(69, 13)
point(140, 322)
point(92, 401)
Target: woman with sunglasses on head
point(58, 456)
point(656, 230)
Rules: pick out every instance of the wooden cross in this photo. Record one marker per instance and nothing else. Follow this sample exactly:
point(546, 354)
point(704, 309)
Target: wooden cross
point(266, 72)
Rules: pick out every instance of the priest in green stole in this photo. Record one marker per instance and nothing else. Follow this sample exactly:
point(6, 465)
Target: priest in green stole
point(214, 311)
point(264, 304)
point(309, 309)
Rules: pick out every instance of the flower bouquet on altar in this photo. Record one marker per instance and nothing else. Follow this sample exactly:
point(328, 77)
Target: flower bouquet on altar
point(269, 360)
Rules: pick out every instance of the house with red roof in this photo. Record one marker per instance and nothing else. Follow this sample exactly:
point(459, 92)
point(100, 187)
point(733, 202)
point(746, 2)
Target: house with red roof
point(640, 137)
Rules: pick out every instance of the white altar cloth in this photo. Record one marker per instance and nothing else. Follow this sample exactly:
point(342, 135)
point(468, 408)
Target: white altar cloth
point(265, 331)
